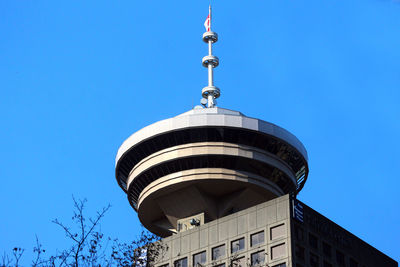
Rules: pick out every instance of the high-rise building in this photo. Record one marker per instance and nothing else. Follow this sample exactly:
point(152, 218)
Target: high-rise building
point(221, 188)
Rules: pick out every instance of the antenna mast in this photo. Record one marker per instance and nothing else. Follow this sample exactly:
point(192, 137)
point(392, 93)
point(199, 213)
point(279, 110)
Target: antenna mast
point(210, 92)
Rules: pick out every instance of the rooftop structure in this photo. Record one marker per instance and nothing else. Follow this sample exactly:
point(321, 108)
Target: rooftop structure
point(208, 160)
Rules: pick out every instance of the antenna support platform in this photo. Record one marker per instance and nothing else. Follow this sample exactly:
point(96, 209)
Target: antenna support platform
point(210, 36)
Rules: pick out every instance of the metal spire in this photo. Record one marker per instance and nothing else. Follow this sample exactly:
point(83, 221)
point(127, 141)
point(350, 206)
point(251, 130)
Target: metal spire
point(210, 92)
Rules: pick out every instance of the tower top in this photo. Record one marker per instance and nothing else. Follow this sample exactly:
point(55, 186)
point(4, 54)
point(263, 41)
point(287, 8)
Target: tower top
point(210, 92)
point(209, 161)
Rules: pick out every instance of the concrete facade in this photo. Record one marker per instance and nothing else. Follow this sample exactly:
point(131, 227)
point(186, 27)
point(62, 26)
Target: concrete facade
point(288, 240)
point(272, 218)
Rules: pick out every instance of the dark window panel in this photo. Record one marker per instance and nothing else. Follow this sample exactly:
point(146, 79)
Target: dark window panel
point(340, 258)
point(237, 245)
point(353, 263)
point(326, 249)
point(313, 241)
point(299, 252)
point(181, 263)
point(199, 258)
point(314, 260)
point(239, 262)
point(298, 233)
point(257, 238)
point(258, 258)
point(218, 252)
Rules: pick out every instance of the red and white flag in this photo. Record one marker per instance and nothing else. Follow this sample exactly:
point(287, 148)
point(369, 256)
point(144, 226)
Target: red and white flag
point(207, 23)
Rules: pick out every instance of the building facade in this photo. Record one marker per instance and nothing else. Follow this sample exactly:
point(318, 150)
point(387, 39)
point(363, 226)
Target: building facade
point(282, 232)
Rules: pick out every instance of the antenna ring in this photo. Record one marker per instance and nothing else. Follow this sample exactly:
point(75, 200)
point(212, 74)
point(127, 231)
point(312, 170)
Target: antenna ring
point(213, 60)
point(210, 90)
point(210, 36)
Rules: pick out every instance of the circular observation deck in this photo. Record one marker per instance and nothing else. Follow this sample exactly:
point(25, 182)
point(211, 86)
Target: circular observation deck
point(212, 161)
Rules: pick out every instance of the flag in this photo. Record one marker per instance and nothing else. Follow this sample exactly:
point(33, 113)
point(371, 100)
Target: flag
point(207, 23)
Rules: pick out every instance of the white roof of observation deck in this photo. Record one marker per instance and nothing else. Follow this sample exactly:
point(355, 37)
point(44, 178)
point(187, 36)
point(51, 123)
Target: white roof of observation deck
point(199, 117)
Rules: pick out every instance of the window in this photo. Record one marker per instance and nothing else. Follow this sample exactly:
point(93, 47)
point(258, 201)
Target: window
point(258, 258)
point(326, 249)
point(278, 251)
point(277, 231)
point(353, 263)
point(299, 252)
point(313, 241)
point(339, 258)
point(281, 265)
point(199, 258)
point(298, 233)
point(240, 262)
point(314, 261)
point(218, 252)
point(237, 245)
point(327, 264)
point(257, 238)
point(181, 263)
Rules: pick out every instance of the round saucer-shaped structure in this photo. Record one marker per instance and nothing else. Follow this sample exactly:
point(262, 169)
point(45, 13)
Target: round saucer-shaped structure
point(212, 161)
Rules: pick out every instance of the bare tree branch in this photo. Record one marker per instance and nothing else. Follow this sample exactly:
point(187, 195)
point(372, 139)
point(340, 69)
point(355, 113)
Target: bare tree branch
point(88, 247)
point(38, 250)
point(17, 253)
point(5, 260)
point(66, 230)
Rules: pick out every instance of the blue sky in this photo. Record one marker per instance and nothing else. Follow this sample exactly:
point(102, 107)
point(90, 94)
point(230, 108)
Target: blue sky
point(78, 77)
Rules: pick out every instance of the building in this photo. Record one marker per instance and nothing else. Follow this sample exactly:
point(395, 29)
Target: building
point(221, 188)
point(277, 233)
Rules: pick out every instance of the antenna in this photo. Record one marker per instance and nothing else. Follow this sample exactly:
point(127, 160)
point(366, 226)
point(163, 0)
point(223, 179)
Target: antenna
point(210, 62)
